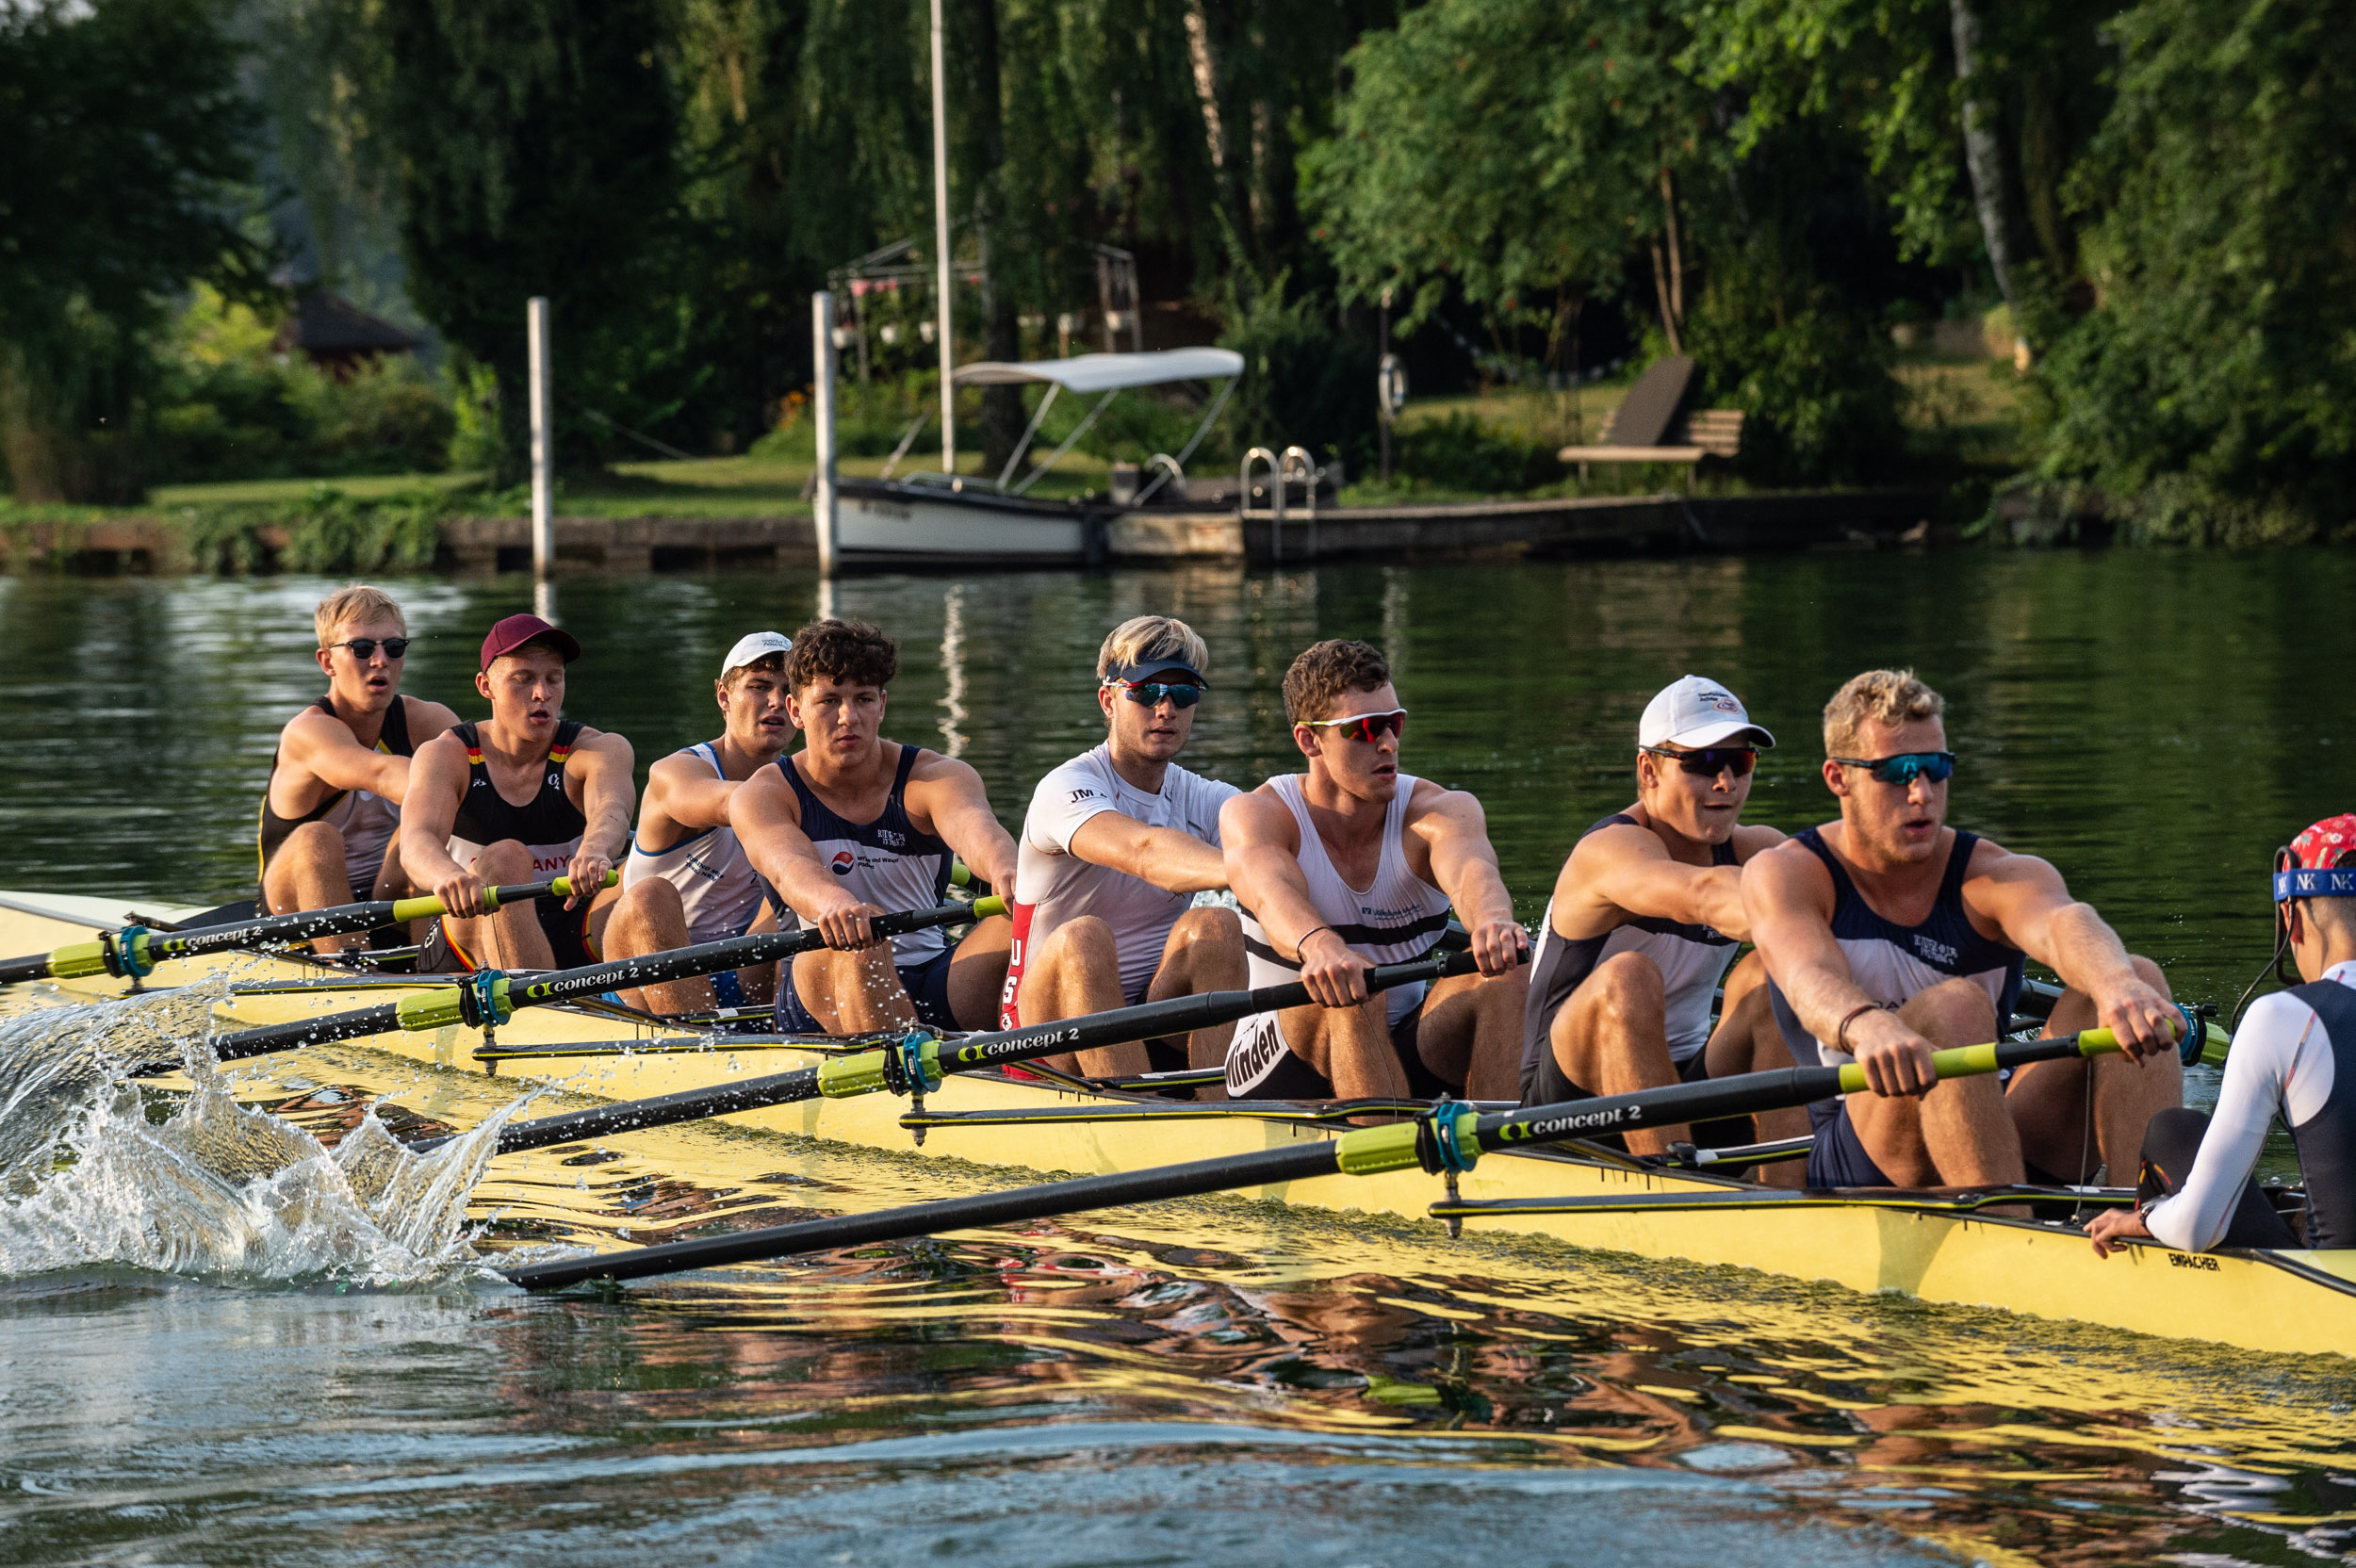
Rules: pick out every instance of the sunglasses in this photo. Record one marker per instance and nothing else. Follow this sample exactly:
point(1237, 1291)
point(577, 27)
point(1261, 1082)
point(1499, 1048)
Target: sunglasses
point(1711, 760)
point(363, 648)
point(1366, 728)
point(1904, 768)
point(1151, 694)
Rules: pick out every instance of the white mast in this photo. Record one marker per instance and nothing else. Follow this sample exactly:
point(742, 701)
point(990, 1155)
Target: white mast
point(941, 249)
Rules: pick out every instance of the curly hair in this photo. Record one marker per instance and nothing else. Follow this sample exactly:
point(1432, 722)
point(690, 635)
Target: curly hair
point(1890, 698)
point(1325, 670)
point(857, 652)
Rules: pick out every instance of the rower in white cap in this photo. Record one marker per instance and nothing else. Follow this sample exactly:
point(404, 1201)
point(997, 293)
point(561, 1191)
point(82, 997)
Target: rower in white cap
point(1646, 921)
point(687, 879)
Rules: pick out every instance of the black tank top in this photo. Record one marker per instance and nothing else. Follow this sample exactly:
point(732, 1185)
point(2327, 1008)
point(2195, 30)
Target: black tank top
point(2327, 1140)
point(1559, 965)
point(393, 741)
point(549, 824)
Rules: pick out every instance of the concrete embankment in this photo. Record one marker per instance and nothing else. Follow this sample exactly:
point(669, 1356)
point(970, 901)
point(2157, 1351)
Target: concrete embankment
point(1663, 524)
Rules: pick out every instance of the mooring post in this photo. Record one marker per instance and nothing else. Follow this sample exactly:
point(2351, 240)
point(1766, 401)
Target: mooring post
point(822, 411)
point(543, 440)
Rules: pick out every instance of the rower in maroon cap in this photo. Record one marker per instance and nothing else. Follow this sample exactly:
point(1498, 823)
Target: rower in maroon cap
point(524, 796)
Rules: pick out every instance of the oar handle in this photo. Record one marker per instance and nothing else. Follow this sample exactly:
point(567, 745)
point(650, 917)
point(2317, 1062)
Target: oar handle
point(136, 950)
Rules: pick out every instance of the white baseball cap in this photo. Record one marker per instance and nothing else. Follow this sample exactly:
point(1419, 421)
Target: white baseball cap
point(756, 644)
point(1697, 712)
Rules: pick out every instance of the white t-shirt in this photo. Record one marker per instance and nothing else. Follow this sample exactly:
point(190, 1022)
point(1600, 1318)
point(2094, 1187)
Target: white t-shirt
point(1052, 885)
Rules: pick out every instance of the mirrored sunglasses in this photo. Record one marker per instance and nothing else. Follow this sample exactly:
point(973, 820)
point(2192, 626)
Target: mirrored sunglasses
point(1363, 727)
point(1711, 760)
point(1904, 768)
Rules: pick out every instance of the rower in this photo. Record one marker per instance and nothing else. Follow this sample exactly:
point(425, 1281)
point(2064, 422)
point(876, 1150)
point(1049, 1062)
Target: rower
point(1115, 845)
point(686, 878)
point(1888, 934)
point(523, 797)
point(2294, 1056)
point(332, 804)
point(1646, 921)
point(1351, 865)
point(854, 825)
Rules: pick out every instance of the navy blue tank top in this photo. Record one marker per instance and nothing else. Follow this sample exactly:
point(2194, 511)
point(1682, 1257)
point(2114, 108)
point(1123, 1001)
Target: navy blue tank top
point(2326, 1141)
point(1891, 963)
point(886, 862)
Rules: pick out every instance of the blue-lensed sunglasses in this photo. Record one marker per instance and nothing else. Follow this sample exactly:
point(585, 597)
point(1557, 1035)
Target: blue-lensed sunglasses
point(1149, 694)
point(1904, 768)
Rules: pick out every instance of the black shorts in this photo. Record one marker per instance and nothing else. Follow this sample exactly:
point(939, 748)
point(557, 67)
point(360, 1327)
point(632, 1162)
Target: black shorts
point(1549, 1085)
point(1261, 1065)
point(567, 931)
point(1839, 1158)
point(927, 985)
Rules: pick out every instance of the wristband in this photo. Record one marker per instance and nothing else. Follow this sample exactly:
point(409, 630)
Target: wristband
point(1840, 1036)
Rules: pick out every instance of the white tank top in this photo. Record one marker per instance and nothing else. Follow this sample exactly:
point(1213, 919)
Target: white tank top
point(1391, 922)
point(716, 883)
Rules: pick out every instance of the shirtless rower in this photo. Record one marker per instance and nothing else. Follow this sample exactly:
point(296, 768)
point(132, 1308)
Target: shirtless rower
point(524, 796)
point(333, 804)
point(1115, 845)
point(1889, 933)
point(2294, 1056)
point(853, 826)
point(1645, 922)
point(687, 880)
point(1351, 865)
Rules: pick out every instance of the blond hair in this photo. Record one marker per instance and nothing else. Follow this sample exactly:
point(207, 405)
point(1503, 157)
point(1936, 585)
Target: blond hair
point(1145, 638)
point(1890, 698)
point(358, 603)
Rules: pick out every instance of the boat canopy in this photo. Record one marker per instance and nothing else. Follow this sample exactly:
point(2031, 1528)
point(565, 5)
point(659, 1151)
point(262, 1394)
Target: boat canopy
point(1087, 373)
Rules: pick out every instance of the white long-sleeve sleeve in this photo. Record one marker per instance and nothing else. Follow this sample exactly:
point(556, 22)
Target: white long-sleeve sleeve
point(2281, 1064)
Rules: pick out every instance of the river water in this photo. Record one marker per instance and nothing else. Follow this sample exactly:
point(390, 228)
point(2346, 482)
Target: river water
point(1223, 1386)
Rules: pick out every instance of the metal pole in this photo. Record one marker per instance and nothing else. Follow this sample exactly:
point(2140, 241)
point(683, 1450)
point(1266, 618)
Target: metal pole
point(1383, 387)
point(941, 244)
point(543, 442)
point(822, 410)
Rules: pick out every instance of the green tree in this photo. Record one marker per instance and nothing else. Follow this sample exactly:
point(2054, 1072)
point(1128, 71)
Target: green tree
point(121, 185)
point(2211, 394)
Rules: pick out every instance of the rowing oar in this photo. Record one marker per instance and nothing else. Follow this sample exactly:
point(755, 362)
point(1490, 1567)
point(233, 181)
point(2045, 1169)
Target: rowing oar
point(134, 951)
point(1448, 1138)
point(920, 1058)
point(488, 997)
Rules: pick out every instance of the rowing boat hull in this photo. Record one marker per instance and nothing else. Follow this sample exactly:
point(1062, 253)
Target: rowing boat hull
point(2293, 1303)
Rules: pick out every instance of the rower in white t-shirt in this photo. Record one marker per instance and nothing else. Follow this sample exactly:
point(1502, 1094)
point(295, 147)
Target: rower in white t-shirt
point(1116, 844)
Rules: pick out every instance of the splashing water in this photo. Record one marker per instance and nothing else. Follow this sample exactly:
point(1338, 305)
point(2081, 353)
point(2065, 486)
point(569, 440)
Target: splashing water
point(214, 1189)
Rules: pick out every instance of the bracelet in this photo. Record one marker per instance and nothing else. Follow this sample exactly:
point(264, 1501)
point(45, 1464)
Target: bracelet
point(1301, 946)
point(1840, 1036)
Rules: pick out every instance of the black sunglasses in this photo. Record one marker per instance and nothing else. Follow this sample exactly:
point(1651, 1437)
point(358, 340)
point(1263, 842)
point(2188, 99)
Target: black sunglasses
point(363, 648)
point(1149, 694)
point(1936, 767)
point(1711, 760)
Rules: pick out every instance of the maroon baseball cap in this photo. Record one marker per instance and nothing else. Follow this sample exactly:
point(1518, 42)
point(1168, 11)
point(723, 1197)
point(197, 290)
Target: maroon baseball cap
point(514, 631)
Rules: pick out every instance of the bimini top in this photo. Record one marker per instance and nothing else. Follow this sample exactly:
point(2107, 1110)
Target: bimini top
point(1107, 372)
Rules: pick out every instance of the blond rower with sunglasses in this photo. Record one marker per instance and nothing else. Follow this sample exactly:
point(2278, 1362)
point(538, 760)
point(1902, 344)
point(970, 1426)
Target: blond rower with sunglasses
point(1646, 921)
point(1888, 934)
point(333, 804)
point(1116, 844)
point(1355, 864)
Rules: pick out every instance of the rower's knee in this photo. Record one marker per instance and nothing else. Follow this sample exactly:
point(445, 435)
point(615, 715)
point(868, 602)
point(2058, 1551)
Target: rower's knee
point(1208, 926)
point(506, 861)
point(1087, 942)
point(647, 917)
point(315, 843)
point(1629, 993)
point(1953, 1012)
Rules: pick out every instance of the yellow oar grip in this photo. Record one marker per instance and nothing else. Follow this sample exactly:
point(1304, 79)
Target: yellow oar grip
point(987, 907)
point(959, 874)
point(1970, 1060)
point(414, 909)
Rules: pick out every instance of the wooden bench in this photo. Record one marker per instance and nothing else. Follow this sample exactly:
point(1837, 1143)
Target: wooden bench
point(1648, 427)
point(1707, 432)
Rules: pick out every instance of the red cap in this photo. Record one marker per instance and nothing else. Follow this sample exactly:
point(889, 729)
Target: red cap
point(2327, 845)
point(514, 631)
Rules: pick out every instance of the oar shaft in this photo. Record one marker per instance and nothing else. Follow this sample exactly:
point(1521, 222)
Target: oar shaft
point(863, 1072)
point(1267, 1166)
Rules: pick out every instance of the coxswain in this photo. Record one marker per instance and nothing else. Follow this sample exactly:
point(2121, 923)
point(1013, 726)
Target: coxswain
point(523, 796)
point(1646, 920)
point(686, 879)
point(333, 804)
point(854, 825)
point(1351, 865)
point(1114, 847)
point(2293, 1057)
point(1888, 934)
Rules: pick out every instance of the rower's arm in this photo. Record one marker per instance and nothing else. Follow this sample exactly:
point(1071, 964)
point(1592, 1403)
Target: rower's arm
point(2257, 1079)
point(1464, 866)
point(1788, 903)
point(601, 763)
point(1262, 858)
point(323, 746)
point(950, 793)
point(1174, 861)
point(768, 822)
point(437, 786)
point(1628, 868)
point(683, 787)
point(2026, 899)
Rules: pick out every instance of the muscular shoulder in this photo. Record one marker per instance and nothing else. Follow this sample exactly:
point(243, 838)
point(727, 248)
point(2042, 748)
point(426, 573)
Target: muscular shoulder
point(681, 767)
point(1073, 783)
point(935, 773)
point(1436, 804)
point(1789, 864)
point(1259, 816)
point(1754, 839)
point(427, 719)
